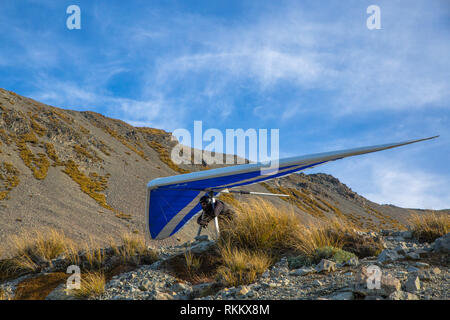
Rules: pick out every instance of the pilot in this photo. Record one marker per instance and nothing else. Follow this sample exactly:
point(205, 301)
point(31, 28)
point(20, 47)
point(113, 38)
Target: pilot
point(221, 210)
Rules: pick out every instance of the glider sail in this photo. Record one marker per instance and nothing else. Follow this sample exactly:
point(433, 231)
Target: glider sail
point(172, 201)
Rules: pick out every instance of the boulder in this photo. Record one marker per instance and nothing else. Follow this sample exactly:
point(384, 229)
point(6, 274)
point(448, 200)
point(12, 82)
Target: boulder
point(242, 291)
point(401, 295)
point(412, 284)
point(422, 265)
point(436, 271)
point(412, 269)
point(425, 275)
point(200, 247)
point(413, 256)
point(60, 293)
point(202, 289)
point(442, 244)
point(163, 296)
point(302, 271)
point(145, 285)
point(388, 255)
point(347, 295)
point(401, 248)
point(366, 286)
point(407, 234)
point(325, 265)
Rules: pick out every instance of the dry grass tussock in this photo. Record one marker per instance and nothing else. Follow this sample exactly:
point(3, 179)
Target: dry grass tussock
point(241, 266)
point(133, 250)
point(30, 249)
point(41, 245)
point(92, 284)
point(428, 227)
point(259, 225)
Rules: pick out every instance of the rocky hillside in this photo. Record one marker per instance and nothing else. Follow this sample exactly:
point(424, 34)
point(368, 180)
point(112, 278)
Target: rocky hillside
point(85, 174)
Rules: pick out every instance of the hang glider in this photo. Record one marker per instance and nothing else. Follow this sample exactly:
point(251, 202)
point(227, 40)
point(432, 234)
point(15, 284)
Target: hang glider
point(172, 201)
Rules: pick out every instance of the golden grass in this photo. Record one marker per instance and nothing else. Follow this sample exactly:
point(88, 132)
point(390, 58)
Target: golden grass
point(91, 284)
point(83, 152)
point(88, 185)
point(259, 225)
point(38, 165)
point(124, 142)
point(51, 152)
point(241, 266)
point(193, 263)
point(94, 257)
point(12, 267)
point(4, 295)
point(134, 250)
point(40, 131)
point(10, 178)
point(428, 227)
point(32, 248)
point(321, 235)
point(44, 245)
point(165, 157)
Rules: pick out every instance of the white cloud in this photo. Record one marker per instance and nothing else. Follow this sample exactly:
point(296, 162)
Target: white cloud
point(392, 179)
point(409, 188)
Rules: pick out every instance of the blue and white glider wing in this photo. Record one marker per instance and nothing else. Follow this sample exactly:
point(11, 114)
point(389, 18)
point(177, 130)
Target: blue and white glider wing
point(173, 201)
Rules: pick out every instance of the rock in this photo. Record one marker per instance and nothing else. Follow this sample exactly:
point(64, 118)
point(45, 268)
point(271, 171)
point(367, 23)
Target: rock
point(179, 287)
point(386, 232)
point(401, 248)
point(367, 286)
point(60, 293)
point(202, 246)
point(302, 271)
point(406, 234)
point(347, 295)
point(422, 265)
point(373, 298)
point(326, 265)
point(442, 244)
point(412, 269)
point(421, 252)
point(202, 238)
point(202, 289)
point(317, 283)
point(388, 255)
point(242, 291)
point(145, 285)
point(281, 267)
point(401, 295)
point(412, 284)
point(163, 296)
point(436, 271)
point(425, 275)
point(413, 256)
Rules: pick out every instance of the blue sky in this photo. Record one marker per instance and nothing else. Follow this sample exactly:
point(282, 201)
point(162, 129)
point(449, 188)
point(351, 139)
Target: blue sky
point(311, 69)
